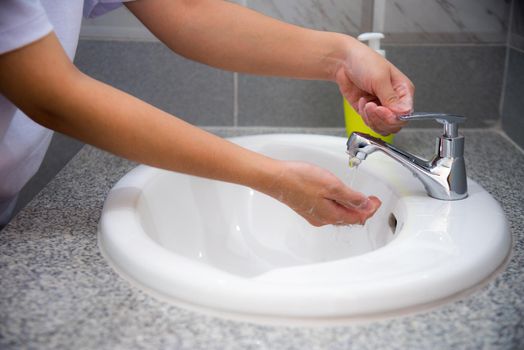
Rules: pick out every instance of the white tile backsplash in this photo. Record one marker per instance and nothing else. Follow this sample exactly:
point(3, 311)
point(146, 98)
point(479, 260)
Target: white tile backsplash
point(405, 21)
point(334, 15)
point(470, 21)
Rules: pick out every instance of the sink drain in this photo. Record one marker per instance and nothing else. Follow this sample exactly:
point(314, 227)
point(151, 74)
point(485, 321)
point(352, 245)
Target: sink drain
point(392, 222)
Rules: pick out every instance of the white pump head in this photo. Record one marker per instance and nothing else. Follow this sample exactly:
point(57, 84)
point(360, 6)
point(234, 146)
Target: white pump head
point(373, 40)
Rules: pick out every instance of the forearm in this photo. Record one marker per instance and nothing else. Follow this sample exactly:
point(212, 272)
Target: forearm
point(232, 37)
point(65, 100)
point(138, 131)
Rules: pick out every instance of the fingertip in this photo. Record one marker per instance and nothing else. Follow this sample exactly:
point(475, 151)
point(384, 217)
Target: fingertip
point(351, 199)
point(391, 122)
point(376, 201)
point(403, 106)
point(373, 205)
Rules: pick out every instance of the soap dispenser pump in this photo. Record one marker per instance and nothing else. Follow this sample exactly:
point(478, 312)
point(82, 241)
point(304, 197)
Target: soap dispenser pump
point(373, 40)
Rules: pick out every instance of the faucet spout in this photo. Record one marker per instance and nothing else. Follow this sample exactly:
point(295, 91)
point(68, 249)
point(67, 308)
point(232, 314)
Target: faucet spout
point(443, 177)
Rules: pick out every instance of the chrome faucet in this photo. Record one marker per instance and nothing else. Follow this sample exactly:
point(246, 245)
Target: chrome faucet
point(443, 176)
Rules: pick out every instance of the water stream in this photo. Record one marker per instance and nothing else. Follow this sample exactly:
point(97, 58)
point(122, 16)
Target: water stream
point(353, 171)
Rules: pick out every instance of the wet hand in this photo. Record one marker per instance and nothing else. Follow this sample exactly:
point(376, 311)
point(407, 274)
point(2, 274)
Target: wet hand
point(320, 197)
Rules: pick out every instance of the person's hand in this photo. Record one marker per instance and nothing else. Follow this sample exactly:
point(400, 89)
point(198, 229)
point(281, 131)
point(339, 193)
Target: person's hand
point(320, 197)
point(375, 88)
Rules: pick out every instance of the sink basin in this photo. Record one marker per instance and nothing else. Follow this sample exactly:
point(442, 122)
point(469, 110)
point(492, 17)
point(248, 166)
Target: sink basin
point(228, 249)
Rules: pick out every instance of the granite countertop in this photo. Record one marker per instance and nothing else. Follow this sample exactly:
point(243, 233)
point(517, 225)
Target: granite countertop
point(57, 292)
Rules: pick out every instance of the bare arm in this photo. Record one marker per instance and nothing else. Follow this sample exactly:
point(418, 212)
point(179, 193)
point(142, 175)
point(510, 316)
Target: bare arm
point(233, 37)
point(53, 92)
point(229, 36)
point(40, 80)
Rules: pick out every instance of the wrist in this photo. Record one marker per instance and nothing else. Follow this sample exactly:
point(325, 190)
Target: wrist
point(268, 173)
point(338, 53)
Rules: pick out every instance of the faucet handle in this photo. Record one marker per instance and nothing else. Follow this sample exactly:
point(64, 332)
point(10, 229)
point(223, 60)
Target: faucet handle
point(450, 121)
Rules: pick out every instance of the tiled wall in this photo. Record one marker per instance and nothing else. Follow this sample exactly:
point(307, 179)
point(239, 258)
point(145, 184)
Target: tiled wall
point(454, 51)
point(446, 21)
point(513, 98)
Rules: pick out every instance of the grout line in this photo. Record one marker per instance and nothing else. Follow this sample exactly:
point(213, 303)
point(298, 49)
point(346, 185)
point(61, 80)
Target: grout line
point(506, 64)
point(386, 43)
point(518, 49)
point(379, 15)
point(342, 129)
point(282, 128)
point(392, 43)
point(366, 21)
point(510, 140)
point(438, 129)
point(88, 37)
point(235, 99)
point(235, 87)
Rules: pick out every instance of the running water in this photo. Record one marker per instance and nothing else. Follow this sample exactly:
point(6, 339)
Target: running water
point(353, 171)
point(342, 230)
point(353, 236)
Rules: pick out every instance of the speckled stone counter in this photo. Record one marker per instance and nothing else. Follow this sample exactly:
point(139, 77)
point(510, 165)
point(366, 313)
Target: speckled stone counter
point(57, 292)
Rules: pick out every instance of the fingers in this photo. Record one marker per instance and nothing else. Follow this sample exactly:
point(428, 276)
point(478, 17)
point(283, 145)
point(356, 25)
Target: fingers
point(405, 91)
point(386, 93)
point(334, 213)
point(320, 197)
point(379, 118)
point(352, 206)
point(383, 119)
point(343, 206)
point(394, 96)
point(395, 91)
point(404, 105)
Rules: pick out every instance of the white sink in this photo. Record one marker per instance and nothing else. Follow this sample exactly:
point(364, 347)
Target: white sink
point(228, 249)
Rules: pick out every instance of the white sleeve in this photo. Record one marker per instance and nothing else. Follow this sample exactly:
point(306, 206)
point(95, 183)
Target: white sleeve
point(95, 8)
point(21, 23)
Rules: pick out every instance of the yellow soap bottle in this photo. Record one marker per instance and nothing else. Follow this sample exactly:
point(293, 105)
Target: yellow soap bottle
point(353, 120)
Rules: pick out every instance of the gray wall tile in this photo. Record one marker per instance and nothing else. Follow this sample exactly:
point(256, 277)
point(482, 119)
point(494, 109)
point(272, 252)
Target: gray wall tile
point(148, 70)
point(465, 80)
point(513, 108)
point(516, 39)
point(456, 79)
point(286, 102)
point(334, 15)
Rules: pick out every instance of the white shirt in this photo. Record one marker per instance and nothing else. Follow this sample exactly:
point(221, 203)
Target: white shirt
point(23, 143)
